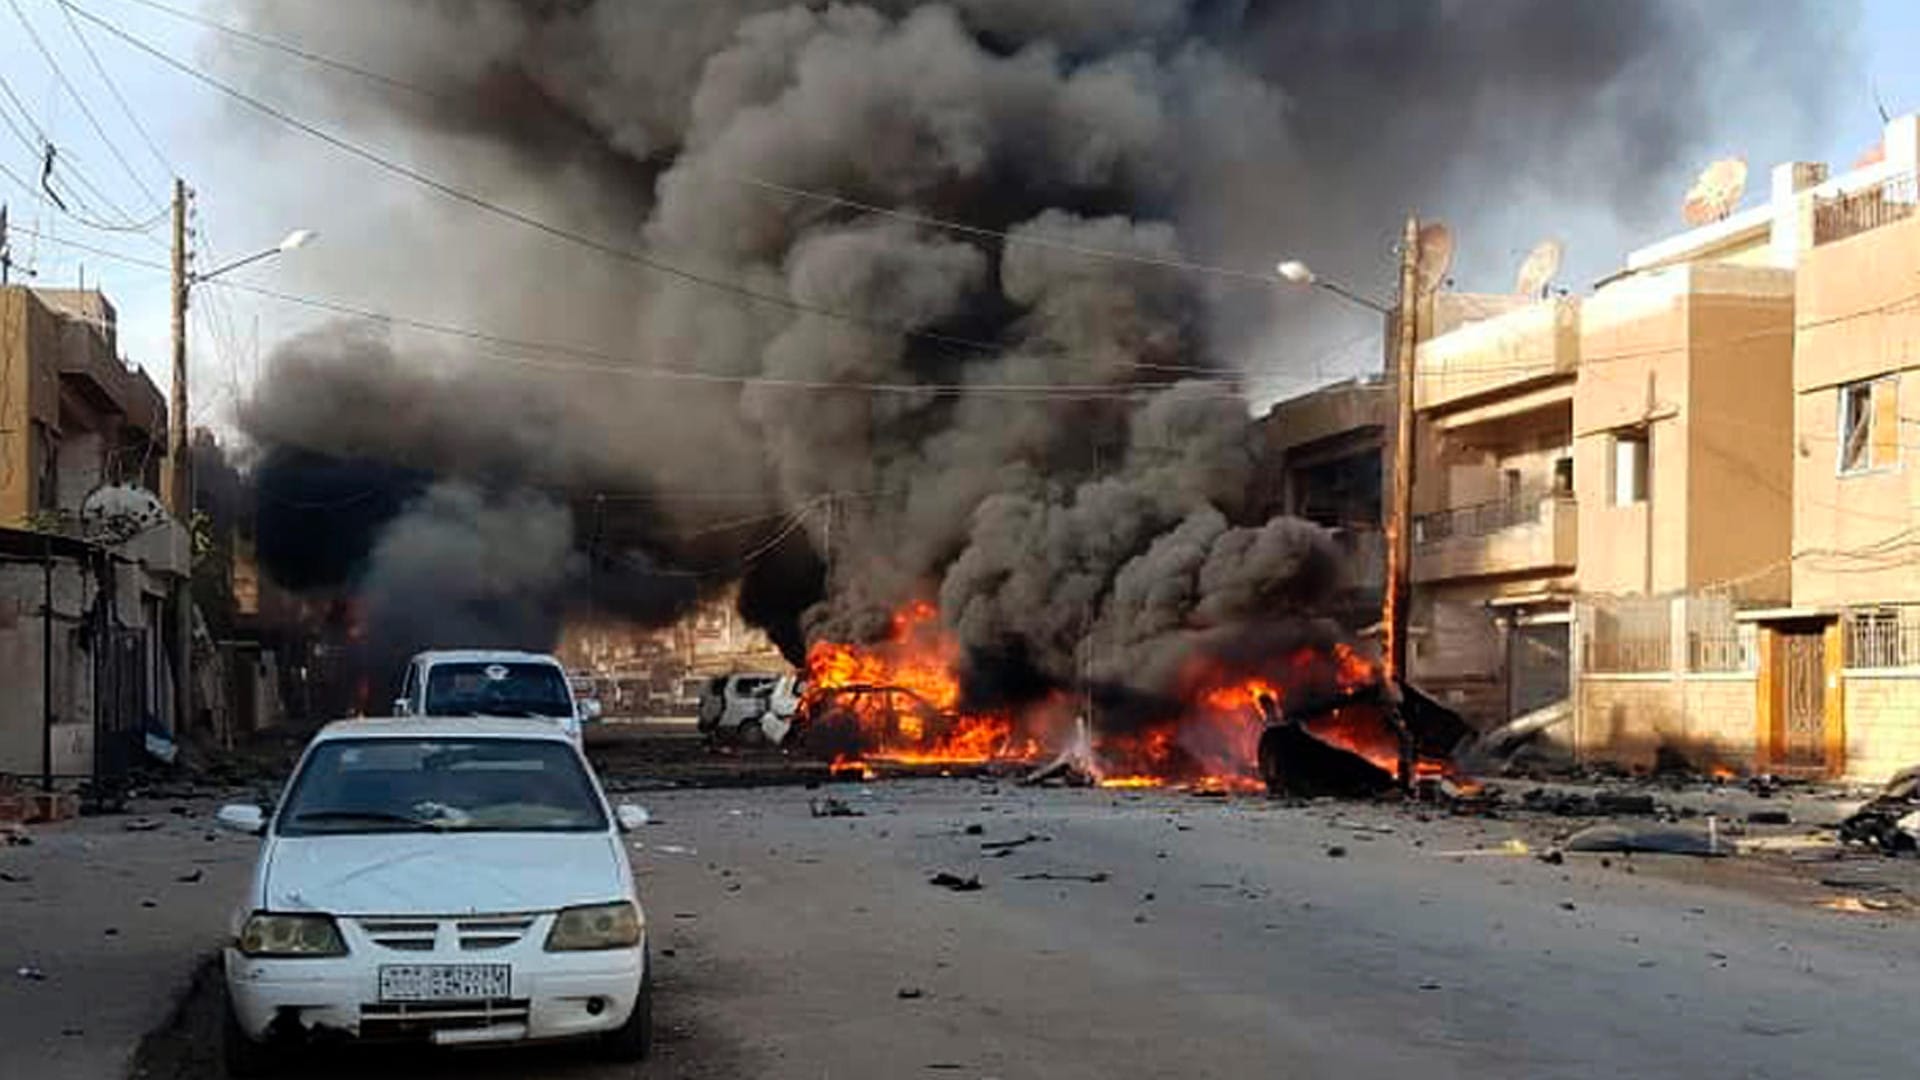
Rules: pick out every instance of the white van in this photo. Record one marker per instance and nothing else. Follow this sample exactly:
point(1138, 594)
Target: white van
point(492, 682)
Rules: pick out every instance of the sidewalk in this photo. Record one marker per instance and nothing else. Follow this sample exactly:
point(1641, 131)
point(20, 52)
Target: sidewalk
point(109, 923)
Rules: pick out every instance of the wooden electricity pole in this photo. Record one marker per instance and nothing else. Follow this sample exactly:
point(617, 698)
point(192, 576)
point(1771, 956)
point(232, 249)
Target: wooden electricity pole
point(179, 479)
point(1399, 517)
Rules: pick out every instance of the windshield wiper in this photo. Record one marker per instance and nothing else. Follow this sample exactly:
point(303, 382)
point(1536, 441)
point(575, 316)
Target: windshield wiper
point(380, 817)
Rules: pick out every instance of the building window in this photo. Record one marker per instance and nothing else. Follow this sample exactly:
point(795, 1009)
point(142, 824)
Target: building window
point(1563, 476)
point(1630, 467)
point(1869, 425)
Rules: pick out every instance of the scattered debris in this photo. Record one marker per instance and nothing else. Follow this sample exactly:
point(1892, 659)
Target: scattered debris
point(1009, 845)
point(1657, 839)
point(1336, 851)
point(141, 824)
point(15, 879)
point(909, 993)
point(1552, 857)
point(1891, 820)
point(32, 974)
point(1770, 817)
point(1568, 905)
point(1858, 905)
point(1094, 878)
point(975, 830)
point(956, 883)
point(1429, 984)
point(192, 878)
point(832, 807)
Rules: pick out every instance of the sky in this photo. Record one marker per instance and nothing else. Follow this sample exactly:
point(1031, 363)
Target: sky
point(245, 204)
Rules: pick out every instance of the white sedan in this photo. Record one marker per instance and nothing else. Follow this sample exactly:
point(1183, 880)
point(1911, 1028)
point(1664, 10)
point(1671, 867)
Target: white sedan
point(449, 881)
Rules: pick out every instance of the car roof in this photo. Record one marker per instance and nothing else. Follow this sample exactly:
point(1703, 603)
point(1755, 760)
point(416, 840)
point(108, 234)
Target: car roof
point(482, 656)
point(449, 727)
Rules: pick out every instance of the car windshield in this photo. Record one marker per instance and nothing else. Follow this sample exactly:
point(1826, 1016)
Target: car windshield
point(484, 688)
point(441, 784)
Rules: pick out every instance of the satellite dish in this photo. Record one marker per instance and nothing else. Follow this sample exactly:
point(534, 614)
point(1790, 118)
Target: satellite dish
point(1435, 256)
point(1536, 273)
point(1715, 194)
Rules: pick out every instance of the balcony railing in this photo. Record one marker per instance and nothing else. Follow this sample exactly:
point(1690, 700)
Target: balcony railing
point(1855, 212)
point(1529, 532)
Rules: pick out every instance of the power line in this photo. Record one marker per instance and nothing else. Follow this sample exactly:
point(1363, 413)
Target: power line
point(791, 191)
point(593, 360)
point(114, 89)
point(60, 74)
point(633, 256)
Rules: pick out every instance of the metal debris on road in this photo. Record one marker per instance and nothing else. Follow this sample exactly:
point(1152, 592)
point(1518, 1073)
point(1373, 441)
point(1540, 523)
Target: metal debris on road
point(1094, 878)
point(1336, 851)
point(32, 974)
point(909, 993)
point(192, 878)
point(956, 883)
point(1009, 845)
point(141, 825)
point(832, 807)
point(1653, 839)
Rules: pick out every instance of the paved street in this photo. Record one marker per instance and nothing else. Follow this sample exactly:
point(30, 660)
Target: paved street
point(1222, 941)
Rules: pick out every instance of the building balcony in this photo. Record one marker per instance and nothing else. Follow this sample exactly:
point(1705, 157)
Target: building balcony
point(1529, 534)
point(1517, 349)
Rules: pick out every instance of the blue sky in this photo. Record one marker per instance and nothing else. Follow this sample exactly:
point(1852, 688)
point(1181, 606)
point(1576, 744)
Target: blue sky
point(246, 203)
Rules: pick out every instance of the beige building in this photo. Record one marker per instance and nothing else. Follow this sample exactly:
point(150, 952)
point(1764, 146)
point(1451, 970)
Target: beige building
point(1685, 503)
point(84, 580)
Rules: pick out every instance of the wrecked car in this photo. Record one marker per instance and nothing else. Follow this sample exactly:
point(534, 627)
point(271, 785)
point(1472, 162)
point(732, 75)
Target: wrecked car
point(755, 709)
point(448, 881)
point(1891, 820)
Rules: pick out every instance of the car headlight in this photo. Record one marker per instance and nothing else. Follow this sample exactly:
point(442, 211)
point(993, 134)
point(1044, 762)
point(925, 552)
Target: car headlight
point(266, 934)
point(595, 926)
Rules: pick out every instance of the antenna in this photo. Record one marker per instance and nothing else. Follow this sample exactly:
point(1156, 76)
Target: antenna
point(1536, 272)
point(1885, 119)
point(1716, 192)
point(1435, 256)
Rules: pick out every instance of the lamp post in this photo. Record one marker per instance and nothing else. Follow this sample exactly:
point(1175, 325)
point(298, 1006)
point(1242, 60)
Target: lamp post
point(1399, 510)
point(178, 487)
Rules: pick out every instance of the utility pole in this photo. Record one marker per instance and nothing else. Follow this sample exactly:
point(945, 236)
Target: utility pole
point(179, 480)
point(1400, 507)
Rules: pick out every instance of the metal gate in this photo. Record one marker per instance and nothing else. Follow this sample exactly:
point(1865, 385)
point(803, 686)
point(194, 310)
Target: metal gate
point(1801, 736)
point(120, 702)
point(1537, 667)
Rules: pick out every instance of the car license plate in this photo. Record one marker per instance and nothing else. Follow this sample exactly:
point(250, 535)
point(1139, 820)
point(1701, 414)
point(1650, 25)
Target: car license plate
point(445, 982)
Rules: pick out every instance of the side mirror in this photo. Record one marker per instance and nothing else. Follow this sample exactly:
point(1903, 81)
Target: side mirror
point(590, 709)
point(631, 817)
point(242, 817)
point(400, 707)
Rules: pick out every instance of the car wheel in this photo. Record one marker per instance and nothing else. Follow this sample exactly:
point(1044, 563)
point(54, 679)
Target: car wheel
point(633, 1040)
point(243, 1057)
point(750, 733)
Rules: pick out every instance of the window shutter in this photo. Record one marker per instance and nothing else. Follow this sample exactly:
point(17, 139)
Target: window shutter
point(1886, 422)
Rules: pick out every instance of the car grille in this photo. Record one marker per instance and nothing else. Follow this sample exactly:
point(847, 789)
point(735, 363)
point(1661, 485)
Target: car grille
point(401, 1020)
point(475, 934)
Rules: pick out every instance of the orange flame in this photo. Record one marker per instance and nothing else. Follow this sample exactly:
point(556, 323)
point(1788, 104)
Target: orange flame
point(897, 699)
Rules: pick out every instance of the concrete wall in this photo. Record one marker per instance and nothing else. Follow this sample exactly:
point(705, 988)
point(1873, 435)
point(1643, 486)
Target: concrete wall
point(1633, 341)
point(1739, 428)
point(22, 715)
point(1498, 354)
point(1856, 320)
point(1700, 358)
point(1628, 719)
point(1882, 724)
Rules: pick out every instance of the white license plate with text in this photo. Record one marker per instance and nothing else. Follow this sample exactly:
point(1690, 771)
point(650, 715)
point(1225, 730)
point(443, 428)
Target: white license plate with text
point(445, 982)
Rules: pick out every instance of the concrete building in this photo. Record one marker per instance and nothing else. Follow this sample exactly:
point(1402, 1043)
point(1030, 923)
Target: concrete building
point(1326, 454)
point(88, 560)
point(1684, 503)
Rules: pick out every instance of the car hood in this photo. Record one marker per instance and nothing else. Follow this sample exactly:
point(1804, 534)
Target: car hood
point(442, 873)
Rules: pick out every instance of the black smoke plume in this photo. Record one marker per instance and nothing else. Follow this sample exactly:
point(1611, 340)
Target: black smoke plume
point(866, 441)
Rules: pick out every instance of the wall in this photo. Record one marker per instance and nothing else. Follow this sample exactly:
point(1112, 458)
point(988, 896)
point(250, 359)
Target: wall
point(1882, 724)
point(29, 394)
point(1627, 719)
point(1633, 342)
point(1857, 319)
point(22, 716)
point(1498, 354)
point(1739, 429)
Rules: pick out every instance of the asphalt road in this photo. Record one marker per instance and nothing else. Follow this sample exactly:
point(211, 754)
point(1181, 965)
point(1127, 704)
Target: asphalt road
point(1218, 939)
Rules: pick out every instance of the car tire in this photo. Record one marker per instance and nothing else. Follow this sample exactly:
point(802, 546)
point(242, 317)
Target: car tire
point(633, 1040)
point(750, 734)
point(244, 1058)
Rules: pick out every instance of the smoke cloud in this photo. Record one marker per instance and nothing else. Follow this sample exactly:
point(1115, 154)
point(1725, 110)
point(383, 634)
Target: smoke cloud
point(875, 433)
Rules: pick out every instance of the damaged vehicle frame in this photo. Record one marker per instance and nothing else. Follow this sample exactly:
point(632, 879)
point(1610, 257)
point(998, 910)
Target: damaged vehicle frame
point(449, 881)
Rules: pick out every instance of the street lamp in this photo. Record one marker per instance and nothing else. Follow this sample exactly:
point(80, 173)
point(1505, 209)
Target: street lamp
point(298, 238)
point(1295, 272)
point(1400, 317)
